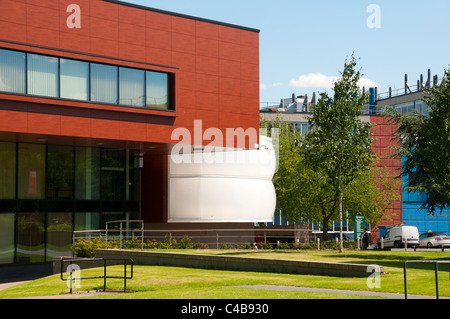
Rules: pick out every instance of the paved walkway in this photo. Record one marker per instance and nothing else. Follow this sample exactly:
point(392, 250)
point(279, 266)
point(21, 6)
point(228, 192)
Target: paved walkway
point(339, 292)
point(261, 287)
point(10, 277)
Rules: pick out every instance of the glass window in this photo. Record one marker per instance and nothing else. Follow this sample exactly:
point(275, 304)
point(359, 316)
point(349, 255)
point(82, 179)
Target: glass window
point(133, 176)
point(43, 77)
point(31, 180)
point(131, 87)
point(59, 235)
point(74, 79)
point(12, 71)
point(113, 174)
point(157, 90)
point(87, 221)
point(7, 238)
point(30, 237)
point(60, 172)
point(87, 172)
point(104, 83)
point(7, 170)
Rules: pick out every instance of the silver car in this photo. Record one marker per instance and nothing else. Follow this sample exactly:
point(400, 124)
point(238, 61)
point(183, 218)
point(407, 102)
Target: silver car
point(434, 239)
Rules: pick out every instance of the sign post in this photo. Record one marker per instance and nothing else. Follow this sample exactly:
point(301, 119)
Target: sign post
point(360, 223)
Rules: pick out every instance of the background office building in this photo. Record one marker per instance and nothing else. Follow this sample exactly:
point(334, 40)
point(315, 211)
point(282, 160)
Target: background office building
point(87, 112)
point(406, 209)
point(297, 110)
point(404, 101)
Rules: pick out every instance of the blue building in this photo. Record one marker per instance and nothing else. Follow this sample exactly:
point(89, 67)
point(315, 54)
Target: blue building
point(405, 100)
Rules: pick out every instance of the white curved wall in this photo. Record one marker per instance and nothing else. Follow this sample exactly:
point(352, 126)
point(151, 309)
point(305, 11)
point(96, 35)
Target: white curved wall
point(231, 186)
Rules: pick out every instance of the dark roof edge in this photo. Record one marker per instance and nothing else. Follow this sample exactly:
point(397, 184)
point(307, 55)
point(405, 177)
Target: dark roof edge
point(181, 15)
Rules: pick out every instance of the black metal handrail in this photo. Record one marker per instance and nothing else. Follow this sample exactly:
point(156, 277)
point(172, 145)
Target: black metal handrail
point(436, 269)
point(104, 277)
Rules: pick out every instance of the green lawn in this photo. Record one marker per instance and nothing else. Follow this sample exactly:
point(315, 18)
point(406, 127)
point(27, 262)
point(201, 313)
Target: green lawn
point(152, 282)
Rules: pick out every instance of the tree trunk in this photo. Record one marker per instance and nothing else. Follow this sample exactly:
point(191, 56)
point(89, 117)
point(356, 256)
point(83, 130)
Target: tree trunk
point(341, 242)
point(325, 228)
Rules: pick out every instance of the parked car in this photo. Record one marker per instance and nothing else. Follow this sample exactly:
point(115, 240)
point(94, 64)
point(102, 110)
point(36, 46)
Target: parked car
point(434, 239)
point(395, 237)
point(345, 236)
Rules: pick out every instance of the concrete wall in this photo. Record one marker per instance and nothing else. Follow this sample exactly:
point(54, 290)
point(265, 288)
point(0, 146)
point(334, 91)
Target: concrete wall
point(237, 263)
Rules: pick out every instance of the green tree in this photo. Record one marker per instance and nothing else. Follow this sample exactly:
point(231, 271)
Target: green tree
point(339, 144)
point(424, 144)
point(306, 195)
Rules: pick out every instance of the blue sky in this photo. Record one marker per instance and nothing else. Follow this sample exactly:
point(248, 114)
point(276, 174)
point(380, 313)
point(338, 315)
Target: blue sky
point(303, 44)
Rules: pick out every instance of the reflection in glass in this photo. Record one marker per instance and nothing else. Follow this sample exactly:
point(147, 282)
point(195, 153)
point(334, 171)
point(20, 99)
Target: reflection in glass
point(30, 237)
point(133, 176)
point(157, 90)
point(131, 86)
point(59, 235)
point(74, 79)
point(6, 238)
point(87, 172)
point(43, 77)
point(60, 172)
point(87, 221)
point(7, 170)
point(104, 83)
point(31, 173)
point(113, 174)
point(12, 71)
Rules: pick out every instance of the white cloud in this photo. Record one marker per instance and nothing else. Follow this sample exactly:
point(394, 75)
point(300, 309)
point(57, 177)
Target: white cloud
point(262, 86)
point(319, 80)
point(314, 80)
point(277, 84)
point(368, 83)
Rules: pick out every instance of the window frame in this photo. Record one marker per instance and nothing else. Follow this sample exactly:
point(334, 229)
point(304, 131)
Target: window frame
point(58, 94)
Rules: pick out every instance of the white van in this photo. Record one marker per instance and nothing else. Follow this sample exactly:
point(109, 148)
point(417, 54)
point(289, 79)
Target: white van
point(396, 236)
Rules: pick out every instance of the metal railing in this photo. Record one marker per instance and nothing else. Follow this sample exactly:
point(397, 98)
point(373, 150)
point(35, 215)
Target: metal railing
point(436, 270)
point(212, 238)
point(73, 278)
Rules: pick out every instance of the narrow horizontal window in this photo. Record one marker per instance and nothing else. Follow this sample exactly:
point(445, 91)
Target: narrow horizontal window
point(104, 83)
point(157, 90)
point(74, 79)
point(48, 76)
point(12, 71)
point(43, 75)
point(131, 86)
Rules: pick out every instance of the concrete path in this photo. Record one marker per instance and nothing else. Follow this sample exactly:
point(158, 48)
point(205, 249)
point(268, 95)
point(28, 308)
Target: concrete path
point(339, 292)
point(10, 284)
point(261, 287)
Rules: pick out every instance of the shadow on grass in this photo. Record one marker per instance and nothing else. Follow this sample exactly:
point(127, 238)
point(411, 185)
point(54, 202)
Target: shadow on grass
point(382, 258)
point(395, 260)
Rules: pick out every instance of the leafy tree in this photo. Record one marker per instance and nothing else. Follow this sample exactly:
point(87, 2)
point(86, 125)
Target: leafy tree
point(306, 195)
point(339, 144)
point(424, 144)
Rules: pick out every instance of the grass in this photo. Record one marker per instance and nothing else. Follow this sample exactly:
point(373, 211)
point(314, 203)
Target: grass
point(154, 282)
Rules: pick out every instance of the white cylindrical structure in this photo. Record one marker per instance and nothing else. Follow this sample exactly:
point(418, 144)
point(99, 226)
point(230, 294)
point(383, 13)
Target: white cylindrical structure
point(233, 186)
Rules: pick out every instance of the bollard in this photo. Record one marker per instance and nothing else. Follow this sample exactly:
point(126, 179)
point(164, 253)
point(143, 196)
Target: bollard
point(382, 243)
point(358, 244)
point(318, 243)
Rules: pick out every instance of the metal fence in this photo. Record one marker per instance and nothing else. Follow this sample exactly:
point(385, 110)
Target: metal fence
point(258, 237)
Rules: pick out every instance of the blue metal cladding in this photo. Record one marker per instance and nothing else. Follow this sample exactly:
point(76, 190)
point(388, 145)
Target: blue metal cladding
point(414, 216)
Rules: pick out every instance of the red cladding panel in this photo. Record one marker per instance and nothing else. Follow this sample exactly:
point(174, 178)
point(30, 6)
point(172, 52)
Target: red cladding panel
point(216, 66)
point(383, 134)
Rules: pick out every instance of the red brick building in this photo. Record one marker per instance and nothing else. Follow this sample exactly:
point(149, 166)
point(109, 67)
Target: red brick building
point(94, 92)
